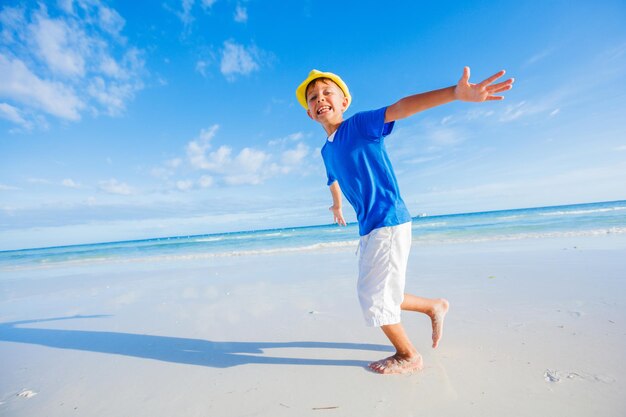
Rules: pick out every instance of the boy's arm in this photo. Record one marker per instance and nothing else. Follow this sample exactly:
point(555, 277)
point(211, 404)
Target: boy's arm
point(335, 192)
point(464, 91)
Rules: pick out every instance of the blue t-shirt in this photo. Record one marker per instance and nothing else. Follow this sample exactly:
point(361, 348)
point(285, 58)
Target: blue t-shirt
point(356, 157)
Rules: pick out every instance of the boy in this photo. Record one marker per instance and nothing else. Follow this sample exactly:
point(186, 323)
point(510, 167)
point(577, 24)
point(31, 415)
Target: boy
point(357, 165)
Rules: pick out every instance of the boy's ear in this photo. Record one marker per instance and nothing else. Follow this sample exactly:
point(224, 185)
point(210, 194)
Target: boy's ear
point(308, 112)
point(344, 104)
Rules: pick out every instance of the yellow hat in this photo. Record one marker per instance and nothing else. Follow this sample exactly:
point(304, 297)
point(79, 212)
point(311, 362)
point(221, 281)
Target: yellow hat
point(315, 74)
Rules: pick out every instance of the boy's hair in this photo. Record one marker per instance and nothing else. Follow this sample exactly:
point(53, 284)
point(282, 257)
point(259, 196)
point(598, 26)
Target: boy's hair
point(321, 79)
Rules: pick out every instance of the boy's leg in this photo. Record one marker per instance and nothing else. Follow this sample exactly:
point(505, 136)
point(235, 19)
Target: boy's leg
point(382, 270)
point(435, 308)
point(407, 359)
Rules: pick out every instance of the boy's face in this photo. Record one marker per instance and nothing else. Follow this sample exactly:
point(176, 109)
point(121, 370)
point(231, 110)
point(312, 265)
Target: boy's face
point(326, 102)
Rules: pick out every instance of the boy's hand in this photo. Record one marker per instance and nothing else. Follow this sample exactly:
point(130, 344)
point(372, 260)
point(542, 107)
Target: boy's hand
point(337, 215)
point(485, 90)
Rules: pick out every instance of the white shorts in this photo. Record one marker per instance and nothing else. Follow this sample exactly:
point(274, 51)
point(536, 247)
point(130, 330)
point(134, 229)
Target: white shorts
point(384, 253)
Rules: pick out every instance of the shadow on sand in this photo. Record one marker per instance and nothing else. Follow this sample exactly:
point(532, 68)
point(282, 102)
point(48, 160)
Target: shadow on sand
point(172, 349)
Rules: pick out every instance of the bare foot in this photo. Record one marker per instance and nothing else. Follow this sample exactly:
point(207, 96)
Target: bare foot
point(398, 365)
point(436, 317)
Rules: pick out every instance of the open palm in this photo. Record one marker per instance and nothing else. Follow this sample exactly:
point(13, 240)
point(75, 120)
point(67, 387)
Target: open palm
point(483, 91)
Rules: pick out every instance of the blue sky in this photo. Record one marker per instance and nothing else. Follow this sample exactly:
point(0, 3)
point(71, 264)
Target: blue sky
point(126, 120)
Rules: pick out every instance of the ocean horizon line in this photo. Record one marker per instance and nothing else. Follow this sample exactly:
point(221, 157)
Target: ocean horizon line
point(295, 228)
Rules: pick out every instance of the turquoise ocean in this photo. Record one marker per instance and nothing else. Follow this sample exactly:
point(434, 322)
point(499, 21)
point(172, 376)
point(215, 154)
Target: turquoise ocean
point(593, 219)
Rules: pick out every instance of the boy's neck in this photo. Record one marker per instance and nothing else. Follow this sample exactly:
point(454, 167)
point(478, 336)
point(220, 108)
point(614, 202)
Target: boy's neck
point(331, 127)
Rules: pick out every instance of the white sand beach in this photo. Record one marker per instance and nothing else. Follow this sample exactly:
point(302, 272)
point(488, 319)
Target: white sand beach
point(536, 328)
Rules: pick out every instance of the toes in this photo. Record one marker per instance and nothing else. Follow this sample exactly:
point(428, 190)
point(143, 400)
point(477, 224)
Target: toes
point(379, 366)
point(376, 367)
point(395, 366)
point(434, 335)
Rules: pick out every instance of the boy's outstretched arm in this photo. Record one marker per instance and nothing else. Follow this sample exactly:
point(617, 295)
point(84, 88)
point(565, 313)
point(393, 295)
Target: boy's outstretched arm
point(335, 192)
point(464, 91)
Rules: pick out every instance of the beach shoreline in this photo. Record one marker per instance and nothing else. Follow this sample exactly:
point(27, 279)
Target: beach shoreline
point(536, 327)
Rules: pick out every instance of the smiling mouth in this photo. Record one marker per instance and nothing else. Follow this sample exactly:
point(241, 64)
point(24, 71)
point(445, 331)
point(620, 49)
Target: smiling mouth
point(323, 109)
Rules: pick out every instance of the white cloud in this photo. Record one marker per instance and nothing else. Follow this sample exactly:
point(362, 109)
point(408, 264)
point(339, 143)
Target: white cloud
point(61, 47)
point(241, 14)
point(184, 185)
point(219, 159)
point(477, 113)
point(111, 95)
point(66, 5)
point(196, 149)
point(621, 148)
point(421, 160)
point(245, 166)
point(39, 181)
point(160, 172)
point(250, 159)
point(66, 61)
point(20, 84)
point(207, 4)
point(12, 20)
point(110, 67)
point(206, 181)
point(70, 183)
point(445, 136)
point(446, 120)
point(617, 52)
point(538, 57)
point(294, 137)
point(174, 163)
point(185, 15)
point(469, 115)
point(167, 170)
point(110, 20)
point(201, 67)
point(4, 187)
point(545, 106)
point(113, 186)
point(294, 157)
point(515, 111)
point(238, 60)
point(548, 105)
point(13, 114)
